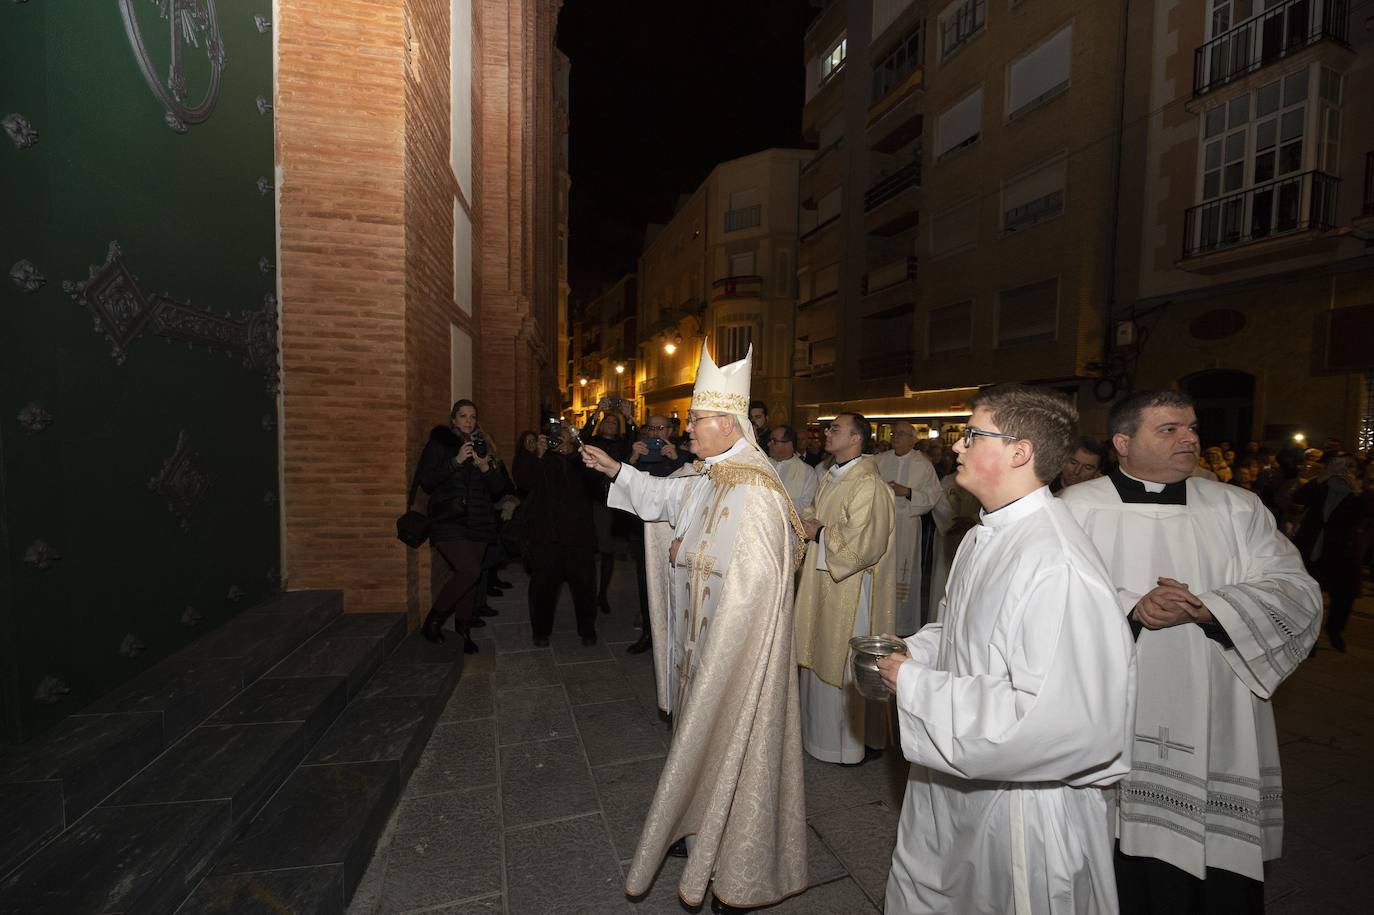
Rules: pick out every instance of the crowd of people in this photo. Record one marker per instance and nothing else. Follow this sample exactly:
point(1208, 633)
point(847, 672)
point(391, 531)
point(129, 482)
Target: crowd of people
point(1085, 634)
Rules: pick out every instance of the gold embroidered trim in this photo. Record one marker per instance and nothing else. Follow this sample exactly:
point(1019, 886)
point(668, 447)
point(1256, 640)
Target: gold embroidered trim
point(729, 473)
point(720, 400)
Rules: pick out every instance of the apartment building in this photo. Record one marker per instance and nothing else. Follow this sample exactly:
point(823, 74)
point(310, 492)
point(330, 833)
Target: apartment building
point(1246, 271)
point(723, 269)
point(604, 349)
point(960, 202)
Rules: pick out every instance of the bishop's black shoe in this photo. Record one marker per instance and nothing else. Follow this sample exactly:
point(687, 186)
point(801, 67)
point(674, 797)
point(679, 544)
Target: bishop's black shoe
point(644, 644)
point(678, 849)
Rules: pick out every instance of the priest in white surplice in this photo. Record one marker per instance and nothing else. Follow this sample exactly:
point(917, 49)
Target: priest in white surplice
point(1015, 708)
point(916, 487)
point(848, 588)
point(720, 557)
point(1224, 612)
point(797, 476)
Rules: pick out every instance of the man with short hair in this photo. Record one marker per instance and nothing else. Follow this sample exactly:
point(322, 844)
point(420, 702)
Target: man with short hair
point(758, 418)
point(916, 487)
point(1014, 707)
point(848, 588)
point(797, 478)
point(815, 446)
point(653, 452)
point(1223, 612)
point(721, 605)
point(1084, 464)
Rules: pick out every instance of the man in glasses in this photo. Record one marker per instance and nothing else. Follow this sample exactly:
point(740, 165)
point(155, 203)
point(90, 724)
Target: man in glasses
point(914, 483)
point(1014, 707)
point(653, 452)
point(721, 606)
point(1223, 612)
point(797, 476)
point(848, 588)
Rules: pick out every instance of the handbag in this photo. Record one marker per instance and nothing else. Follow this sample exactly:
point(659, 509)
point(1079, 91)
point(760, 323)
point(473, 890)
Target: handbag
point(412, 528)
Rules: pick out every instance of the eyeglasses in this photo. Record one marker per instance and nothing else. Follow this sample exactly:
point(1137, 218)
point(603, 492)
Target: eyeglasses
point(970, 433)
point(654, 426)
point(691, 419)
point(833, 428)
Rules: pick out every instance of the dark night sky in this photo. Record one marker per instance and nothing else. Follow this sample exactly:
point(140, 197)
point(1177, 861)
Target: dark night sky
point(662, 90)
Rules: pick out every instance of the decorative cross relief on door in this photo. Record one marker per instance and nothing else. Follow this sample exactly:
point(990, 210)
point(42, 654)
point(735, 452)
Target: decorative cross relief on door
point(123, 312)
point(181, 482)
point(189, 23)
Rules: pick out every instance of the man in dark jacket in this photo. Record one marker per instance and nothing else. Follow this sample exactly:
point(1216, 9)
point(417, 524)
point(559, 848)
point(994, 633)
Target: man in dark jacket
point(561, 535)
point(1337, 508)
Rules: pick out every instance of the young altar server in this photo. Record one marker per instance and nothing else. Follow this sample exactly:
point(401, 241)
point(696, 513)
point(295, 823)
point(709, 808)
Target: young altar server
point(1015, 707)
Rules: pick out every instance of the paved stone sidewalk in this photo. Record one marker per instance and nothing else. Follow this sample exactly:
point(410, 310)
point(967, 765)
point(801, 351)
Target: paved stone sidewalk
point(529, 797)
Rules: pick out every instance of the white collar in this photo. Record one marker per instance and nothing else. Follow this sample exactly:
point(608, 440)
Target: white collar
point(1150, 485)
point(838, 470)
point(1014, 511)
point(733, 450)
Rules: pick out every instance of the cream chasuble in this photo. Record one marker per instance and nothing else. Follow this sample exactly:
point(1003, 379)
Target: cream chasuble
point(799, 479)
point(848, 587)
point(914, 471)
point(1204, 790)
point(722, 623)
point(1015, 711)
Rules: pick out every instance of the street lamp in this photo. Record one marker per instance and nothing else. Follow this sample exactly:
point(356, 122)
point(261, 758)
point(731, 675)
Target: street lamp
point(670, 348)
point(620, 368)
point(582, 381)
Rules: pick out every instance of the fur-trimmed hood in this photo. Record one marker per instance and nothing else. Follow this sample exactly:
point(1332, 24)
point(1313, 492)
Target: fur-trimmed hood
point(445, 436)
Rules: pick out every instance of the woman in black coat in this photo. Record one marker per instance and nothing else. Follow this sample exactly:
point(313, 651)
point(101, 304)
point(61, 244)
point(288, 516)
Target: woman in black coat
point(463, 479)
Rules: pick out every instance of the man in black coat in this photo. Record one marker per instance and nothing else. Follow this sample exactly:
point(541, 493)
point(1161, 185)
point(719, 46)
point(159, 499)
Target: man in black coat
point(561, 535)
point(1337, 508)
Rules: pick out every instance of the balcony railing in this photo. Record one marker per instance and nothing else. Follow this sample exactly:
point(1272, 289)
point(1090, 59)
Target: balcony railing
point(890, 275)
point(1299, 203)
point(820, 155)
point(1263, 39)
point(907, 176)
point(819, 228)
point(822, 297)
point(743, 218)
point(1369, 183)
point(885, 365)
point(735, 287)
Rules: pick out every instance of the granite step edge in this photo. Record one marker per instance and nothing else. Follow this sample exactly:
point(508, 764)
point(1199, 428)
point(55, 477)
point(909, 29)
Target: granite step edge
point(242, 869)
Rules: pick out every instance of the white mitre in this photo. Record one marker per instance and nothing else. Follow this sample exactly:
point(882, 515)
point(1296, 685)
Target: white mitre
point(723, 389)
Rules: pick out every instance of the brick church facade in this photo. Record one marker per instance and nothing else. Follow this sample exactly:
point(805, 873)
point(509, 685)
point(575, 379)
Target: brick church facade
point(419, 185)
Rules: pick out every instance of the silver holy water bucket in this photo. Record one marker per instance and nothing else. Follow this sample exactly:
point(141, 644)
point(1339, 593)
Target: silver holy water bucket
point(864, 652)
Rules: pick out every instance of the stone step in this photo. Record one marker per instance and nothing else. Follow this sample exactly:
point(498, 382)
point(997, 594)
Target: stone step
point(307, 849)
point(47, 785)
point(146, 846)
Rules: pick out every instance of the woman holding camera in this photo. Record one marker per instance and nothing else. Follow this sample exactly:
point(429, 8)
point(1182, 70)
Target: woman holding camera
point(460, 473)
